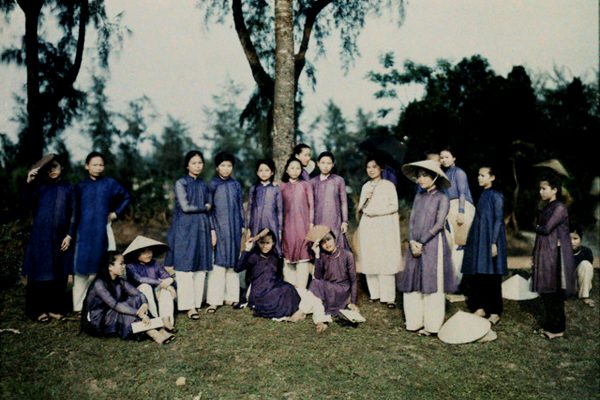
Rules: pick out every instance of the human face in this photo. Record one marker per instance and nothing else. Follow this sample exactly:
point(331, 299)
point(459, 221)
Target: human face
point(304, 156)
point(264, 173)
point(424, 180)
point(328, 243)
point(575, 241)
point(225, 169)
point(266, 244)
point(145, 256)
point(446, 159)
point(95, 167)
point(373, 170)
point(195, 166)
point(433, 157)
point(325, 165)
point(117, 268)
point(54, 171)
point(294, 170)
point(484, 178)
point(546, 192)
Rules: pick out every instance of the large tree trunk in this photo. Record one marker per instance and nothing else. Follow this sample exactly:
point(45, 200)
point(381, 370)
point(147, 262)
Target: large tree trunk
point(285, 86)
point(32, 139)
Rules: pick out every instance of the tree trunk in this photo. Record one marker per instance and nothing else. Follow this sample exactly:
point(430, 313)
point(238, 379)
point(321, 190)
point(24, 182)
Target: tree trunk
point(31, 144)
point(285, 88)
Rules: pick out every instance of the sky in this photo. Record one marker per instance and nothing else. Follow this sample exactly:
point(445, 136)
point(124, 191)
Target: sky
point(172, 58)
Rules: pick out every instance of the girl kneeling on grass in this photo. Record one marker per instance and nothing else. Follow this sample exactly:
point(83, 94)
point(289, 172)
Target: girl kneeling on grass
point(111, 304)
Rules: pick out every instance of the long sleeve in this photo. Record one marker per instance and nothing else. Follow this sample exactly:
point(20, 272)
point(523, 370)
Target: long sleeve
point(352, 277)
point(557, 217)
point(251, 194)
point(363, 197)
point(411, 220)
point(119, 192)
point(498, 203)
point(244, 262)
point(343, 200)
point(311, 203)
point(389, 204)
point(440, 219)
point(279, 205)
point(462, 187)
point(107, 298)
point(72, 209)
point(138, 279)
point(182, 200)
point(319, 271)
point(240, 200)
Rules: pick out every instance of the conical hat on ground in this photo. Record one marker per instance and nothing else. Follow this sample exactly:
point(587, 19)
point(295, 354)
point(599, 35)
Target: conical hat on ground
point(141, 242)
point(410, 171)
point(554, 165)
point(464, 327)
point(517, 288)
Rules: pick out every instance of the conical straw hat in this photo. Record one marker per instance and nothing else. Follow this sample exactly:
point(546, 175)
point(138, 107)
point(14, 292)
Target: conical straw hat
point(517, 288)
point(141, 242)
point(410, 171)
point(464, 327)
point(317, 233)
point(554, 165)
point(43, 161)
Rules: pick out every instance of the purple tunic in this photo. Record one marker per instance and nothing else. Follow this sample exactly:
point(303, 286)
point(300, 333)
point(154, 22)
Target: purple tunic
point(54, 206)
point(189, 235)
point(335, 280)
point(151, 273)
point(112, 313)
point(96, 200)
point(553, 229)
point(331, 205)
point(265, 210)
point(487, 229)
point(426, 226)
point(298, 214)
point(459, 187)
point(227, 220)
point(270, 295)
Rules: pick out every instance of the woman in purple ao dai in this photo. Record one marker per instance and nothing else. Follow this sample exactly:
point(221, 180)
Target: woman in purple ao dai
point(298, 217)
point(428, 270)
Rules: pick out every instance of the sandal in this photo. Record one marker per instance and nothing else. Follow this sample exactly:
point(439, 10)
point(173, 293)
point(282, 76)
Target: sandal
point(168, 339)
point(494, 319)
point(424, 333)
point(43, 318)
point(193, 314)
point(240, 306)
point(211, 309)
point(391, 306)
point(550, 335)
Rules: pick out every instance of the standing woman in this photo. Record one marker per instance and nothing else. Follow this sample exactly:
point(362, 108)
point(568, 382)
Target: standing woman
point(462, 210)
point(379, 232)
point(553, 262)
point(302, 152)
point(48, 260)
point(428, 272)
point(189, 236)
point(485, 253)
point(100, 201)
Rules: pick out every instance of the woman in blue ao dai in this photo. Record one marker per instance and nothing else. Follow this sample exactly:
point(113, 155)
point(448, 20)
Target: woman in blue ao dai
point(189, 236)
point(227, 224)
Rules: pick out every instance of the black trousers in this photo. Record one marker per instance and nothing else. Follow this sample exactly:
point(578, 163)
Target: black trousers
point(484, 291)
point(554, 311)
point(45, 296)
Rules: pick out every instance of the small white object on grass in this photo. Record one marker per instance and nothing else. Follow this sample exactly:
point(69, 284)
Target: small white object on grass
point(180, 381)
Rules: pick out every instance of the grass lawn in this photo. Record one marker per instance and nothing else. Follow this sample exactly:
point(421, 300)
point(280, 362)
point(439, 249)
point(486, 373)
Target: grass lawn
point(232, 355)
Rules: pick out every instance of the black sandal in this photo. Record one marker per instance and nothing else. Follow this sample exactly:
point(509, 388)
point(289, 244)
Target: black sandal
point(211, 309)
point(43, 318)
point(391, 306)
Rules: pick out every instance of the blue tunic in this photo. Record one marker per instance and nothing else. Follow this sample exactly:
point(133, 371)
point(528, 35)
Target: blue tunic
point(265, 210)
point(96, 200)
point(459, 186)
point(111, 313)
point(227, 220)
point(270, 295)
point(487, 229)
point(189, 234)
point(54, 206)
point(151, 273)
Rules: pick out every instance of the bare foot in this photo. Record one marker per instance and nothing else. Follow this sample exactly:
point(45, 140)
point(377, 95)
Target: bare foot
point(297, 316)
point(321, 327)
point(550, 335)
point(589, 302)
point(480, 312)
point(494, 319)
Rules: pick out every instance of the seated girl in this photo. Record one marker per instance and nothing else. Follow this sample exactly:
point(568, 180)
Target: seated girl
point(150, 277)
point(112, 305)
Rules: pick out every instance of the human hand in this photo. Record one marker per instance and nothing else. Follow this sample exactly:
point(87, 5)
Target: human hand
point(416, 248)
point(344, 227)
point(31, 175)
point(111, 217)
point(494, 250)
point(70, 280)
point(248, 245)
point(146, 320)
point(142, 311)
point(460, 218)
point(64, 246)
point(208, 206)
point(213, 238)
point(164, 283)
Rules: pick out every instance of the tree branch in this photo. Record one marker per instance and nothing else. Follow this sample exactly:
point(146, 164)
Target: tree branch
point(264, 81)
point(309, 23)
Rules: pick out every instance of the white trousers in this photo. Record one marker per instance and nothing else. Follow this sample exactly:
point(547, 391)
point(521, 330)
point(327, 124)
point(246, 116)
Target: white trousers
point(190, 289)
point(585, 275)
point(311, 304)
point(223, 285)
point(80, 287)
point(427, 310)
point(166, 306)
point(382, 287)
point(297, 273)
point(458, 234)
